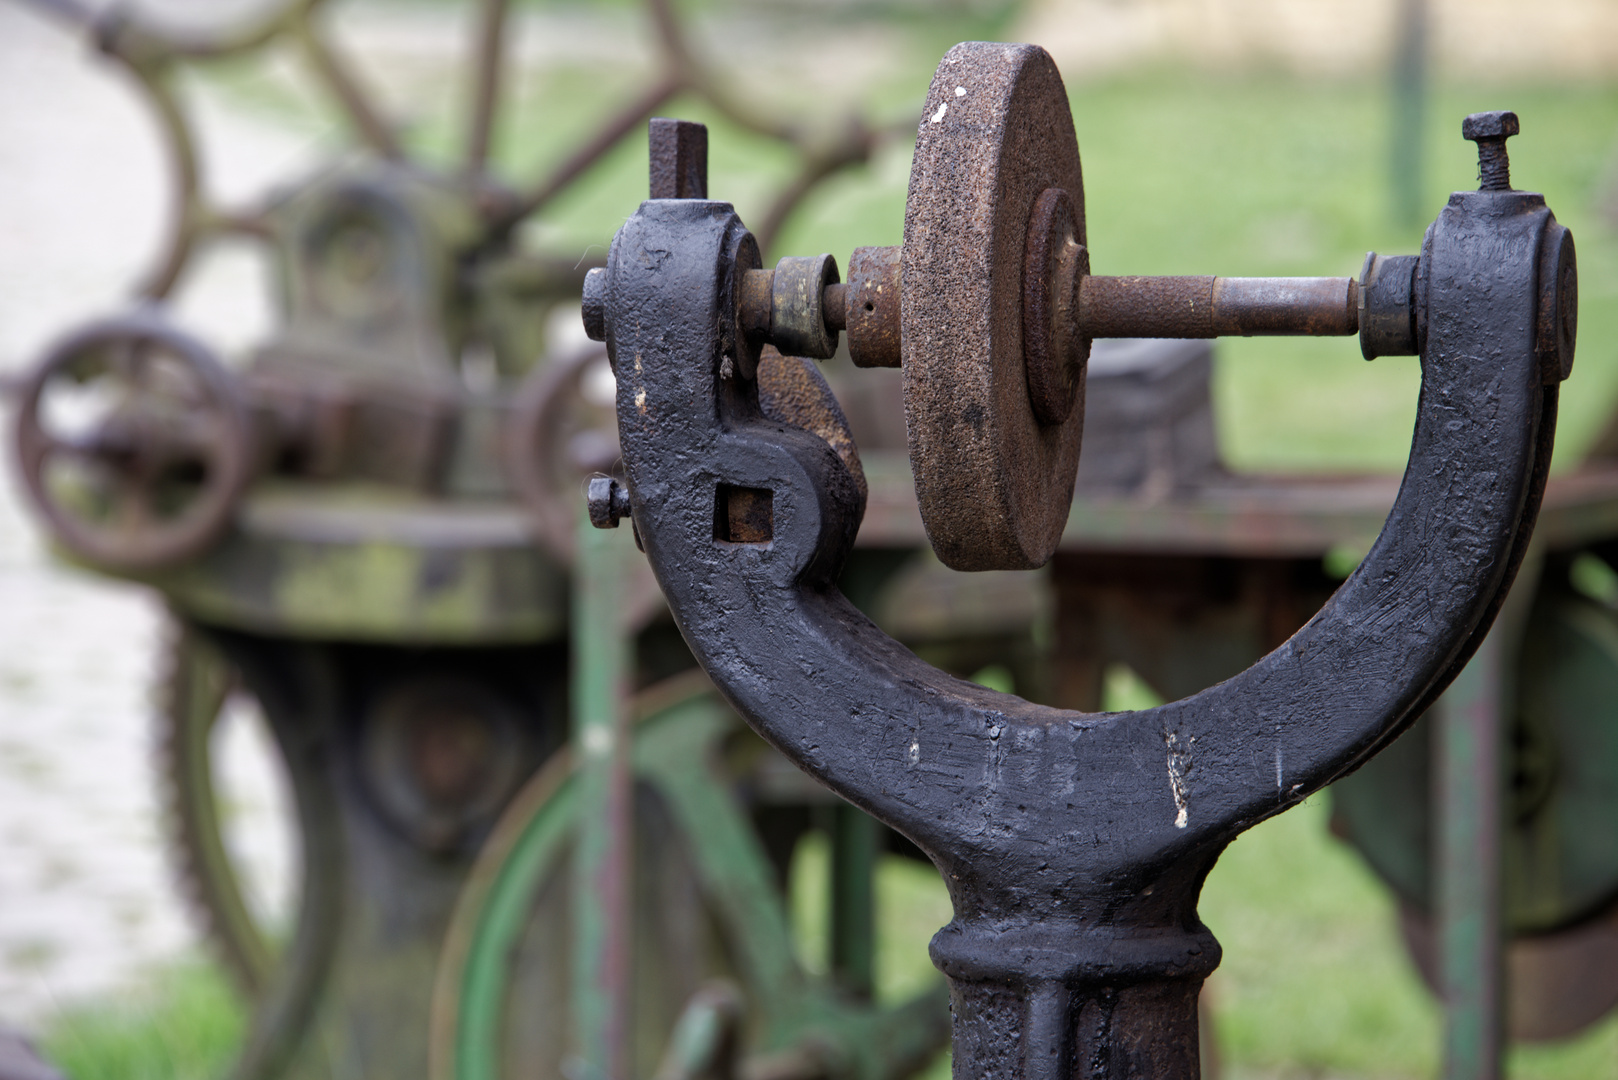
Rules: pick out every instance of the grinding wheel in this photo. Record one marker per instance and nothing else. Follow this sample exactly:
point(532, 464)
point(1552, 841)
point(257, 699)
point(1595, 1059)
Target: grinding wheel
point(994, 482)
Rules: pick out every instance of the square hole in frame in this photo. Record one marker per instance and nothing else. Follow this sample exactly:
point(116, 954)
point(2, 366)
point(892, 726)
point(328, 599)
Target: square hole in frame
point(744, 515)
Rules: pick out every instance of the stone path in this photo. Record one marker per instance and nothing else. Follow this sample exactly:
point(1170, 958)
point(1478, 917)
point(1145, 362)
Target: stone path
point(86, 902)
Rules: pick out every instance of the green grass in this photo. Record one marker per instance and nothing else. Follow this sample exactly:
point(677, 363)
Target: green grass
point(185, 1025)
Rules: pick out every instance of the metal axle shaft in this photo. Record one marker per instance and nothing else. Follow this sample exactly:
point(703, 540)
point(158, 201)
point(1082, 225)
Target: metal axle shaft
point(867, 306)
point(1209, 307)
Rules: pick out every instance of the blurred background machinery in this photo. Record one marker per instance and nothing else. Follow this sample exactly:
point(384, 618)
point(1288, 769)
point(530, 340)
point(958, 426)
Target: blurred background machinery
point(367, 530)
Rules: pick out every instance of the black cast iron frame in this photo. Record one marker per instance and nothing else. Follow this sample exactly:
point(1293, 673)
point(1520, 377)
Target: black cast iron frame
point(1074, 845)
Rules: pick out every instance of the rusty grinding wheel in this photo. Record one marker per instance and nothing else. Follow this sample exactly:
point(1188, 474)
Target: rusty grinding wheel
point(564, 430)
point(134, 443)
point(994, 410)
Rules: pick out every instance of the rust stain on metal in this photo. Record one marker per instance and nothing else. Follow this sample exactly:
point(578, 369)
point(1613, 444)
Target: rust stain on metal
point(754, 303)
point(791, 390)
point(1054, 350)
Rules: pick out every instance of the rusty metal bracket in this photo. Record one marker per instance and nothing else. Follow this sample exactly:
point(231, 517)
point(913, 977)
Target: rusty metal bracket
point(1074, 845)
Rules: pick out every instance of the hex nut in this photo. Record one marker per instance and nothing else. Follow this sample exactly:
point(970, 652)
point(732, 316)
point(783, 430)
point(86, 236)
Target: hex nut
point(608, 502)
point(1489, 125)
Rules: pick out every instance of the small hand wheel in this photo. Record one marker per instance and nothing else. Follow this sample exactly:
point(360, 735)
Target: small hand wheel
point(564, 430)
point(133, 443)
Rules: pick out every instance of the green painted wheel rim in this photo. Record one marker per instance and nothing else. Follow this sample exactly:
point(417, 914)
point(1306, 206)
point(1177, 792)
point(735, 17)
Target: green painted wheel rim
point(504, 918)
point(799, 1016)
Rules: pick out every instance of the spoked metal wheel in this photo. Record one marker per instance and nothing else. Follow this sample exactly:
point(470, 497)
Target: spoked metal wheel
point(158, 55)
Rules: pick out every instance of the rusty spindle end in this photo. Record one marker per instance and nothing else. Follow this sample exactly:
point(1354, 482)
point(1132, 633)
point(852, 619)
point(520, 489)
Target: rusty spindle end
point(1490, 130)
point(679, 159)
point(801, 307)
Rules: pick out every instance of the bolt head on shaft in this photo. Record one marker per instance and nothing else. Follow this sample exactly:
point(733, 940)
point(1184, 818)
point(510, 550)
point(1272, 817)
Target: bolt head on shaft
point(1489, 125)
point(1490, 130)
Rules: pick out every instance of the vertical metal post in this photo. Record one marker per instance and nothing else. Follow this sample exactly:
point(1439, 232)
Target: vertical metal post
point(854, 839)
point(603, 923)
point(1470, 788)
point(1409, 110)
point(1470, 765)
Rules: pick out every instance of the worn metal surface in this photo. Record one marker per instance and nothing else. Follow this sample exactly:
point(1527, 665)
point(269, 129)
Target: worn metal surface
point(792, 391)
point(679, 159)
point(1073, 844)
point(1387, 297)
point(1558, 303)
point(1490, 130)
point(1054, 347)
point(798, 312)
